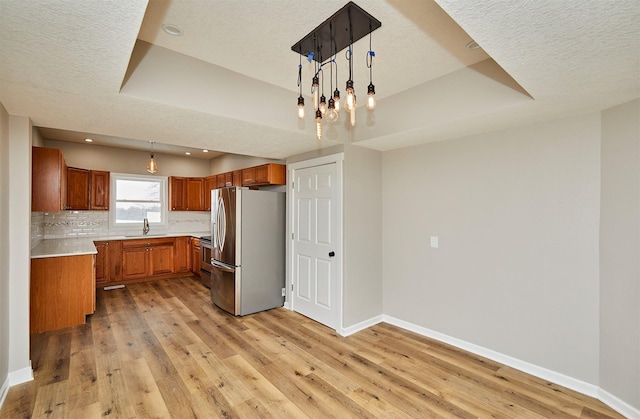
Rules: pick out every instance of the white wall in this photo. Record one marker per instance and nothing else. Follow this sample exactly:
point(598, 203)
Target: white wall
point(517, 214)
point(4, 252)
point(119, 160)
point(620, 253)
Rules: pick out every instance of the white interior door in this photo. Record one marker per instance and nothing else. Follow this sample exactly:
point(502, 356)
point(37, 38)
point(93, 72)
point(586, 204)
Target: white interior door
point(316, 244)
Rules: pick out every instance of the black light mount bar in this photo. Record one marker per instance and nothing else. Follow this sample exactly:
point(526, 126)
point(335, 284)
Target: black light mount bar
point(345, 27)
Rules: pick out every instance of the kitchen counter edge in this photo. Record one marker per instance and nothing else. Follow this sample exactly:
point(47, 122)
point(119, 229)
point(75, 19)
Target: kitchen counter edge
point(77, 246)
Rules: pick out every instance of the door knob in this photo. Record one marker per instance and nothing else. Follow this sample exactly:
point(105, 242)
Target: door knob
point(332, 254)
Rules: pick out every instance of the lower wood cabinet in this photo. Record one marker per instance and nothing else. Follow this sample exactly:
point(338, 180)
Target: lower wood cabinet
point(62, 292)
point(195, 256)
point(182, 255)
point(143, 258)
point(108, 262)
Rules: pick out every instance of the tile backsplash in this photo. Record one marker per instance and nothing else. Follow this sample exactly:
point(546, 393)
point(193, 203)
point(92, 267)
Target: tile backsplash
point(68, 224)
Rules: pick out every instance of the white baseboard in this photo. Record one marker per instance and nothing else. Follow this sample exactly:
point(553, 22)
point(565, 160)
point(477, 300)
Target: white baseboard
point(14, 378)
point(569, 382)
point(620, 406)
point(546, 374)
point(346, 331)
point(21, 376)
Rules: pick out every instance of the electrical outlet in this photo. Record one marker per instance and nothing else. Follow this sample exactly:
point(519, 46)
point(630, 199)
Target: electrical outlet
point(284, 292)
point(434, 241)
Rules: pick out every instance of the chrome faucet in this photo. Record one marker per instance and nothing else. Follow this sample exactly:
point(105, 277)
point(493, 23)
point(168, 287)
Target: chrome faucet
point(145, 227)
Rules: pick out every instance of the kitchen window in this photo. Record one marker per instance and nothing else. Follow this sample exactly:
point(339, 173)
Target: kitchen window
point(136, 197)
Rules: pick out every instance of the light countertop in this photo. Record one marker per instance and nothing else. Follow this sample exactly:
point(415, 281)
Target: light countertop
point(84, 246)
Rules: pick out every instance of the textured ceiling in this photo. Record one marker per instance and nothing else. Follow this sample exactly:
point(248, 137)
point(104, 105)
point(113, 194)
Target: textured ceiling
point(229, 82)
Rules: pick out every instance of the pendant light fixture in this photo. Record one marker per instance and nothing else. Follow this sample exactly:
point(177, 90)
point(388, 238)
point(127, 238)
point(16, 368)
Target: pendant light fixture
point(152, 166)
point(300, 98)
point(348, 25)
point(371, 89)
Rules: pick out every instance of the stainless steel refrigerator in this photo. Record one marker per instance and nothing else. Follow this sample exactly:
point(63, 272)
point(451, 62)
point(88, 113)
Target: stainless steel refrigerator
point(248, 249)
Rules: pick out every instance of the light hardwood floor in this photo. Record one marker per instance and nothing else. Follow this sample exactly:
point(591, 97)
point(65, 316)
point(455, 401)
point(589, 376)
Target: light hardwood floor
point(160, 349)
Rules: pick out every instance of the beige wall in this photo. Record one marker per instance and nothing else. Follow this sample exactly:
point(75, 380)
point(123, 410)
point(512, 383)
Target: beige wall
point(19, 192)
point(620, 253)
point(119, 160)
point(516, 213)
point(5, 313)
point(229, 162)
point(362, 231)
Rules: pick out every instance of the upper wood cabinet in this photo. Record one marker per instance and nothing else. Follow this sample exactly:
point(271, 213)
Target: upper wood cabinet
point(78, 188)
point(237, 178)
point(87, 189)
point(186, 194)
point(48, 180)
point(266, 174)
point(210, 183)
point(177, 193)
point(99, 190)
point(195, 194)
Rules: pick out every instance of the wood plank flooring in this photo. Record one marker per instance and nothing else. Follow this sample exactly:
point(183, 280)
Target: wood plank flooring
point(160, 349)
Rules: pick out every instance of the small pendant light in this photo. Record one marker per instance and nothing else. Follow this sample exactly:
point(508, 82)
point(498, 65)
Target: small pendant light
point(152, 166)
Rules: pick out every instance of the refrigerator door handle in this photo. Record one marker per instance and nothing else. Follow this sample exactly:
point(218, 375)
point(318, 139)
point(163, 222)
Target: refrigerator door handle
point(222, 266)
point(221, 224)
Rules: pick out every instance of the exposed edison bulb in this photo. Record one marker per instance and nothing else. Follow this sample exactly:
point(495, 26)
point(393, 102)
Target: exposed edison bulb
point(319, 125)
point(332, 114)
point(301, 107)
point(371, 96)
point(323, 104)
point(336, 99)
point(314, 88)
point(349, 101)
point(353, 116)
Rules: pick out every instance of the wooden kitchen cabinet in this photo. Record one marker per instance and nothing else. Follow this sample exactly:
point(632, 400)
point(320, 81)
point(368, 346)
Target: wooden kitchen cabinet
point(210, 183)
point(108, 261)
point(78, 188)
point(143, 258)
point(236, 178)
point(195, 194)
point(182, 258)
point(48, 180)
point(62, 292)
point(87, 189)
point(195, 256)
point(99, 190)
point(266, 174)
point(177, 193)
point(186, 193)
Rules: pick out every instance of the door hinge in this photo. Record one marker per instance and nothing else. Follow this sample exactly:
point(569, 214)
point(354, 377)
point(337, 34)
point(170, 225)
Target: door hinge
point(292, 236)
point(292, 287)
point(293, 185)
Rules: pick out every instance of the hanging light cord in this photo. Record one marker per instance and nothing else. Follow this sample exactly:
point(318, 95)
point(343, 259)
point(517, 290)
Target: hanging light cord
point(300, 75)
point(370, 55)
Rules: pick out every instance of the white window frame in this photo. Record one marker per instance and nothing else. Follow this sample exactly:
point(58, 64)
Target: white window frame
point(133, 227)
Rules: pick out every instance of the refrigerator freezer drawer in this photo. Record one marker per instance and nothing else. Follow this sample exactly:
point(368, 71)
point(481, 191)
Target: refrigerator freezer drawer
point(223, 289)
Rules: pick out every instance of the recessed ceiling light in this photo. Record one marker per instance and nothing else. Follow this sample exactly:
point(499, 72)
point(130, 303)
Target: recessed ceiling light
point(172, 29)
point(187, 153)
point(205, 151)
point(88, 140)
point(473, 45)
